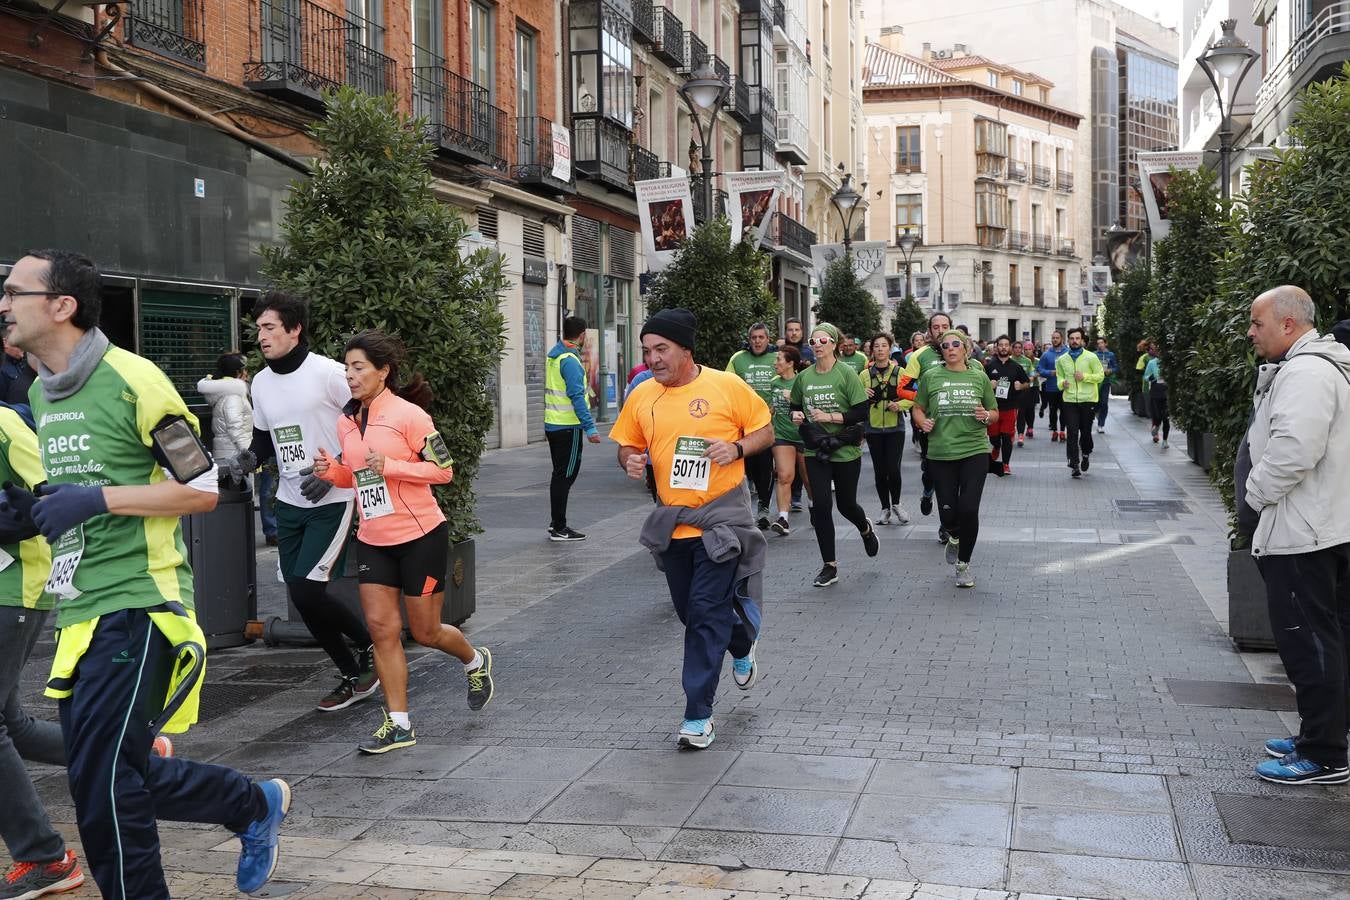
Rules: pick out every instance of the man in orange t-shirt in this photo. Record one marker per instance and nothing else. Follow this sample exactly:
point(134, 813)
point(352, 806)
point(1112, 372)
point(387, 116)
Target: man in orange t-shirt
point(689, 429)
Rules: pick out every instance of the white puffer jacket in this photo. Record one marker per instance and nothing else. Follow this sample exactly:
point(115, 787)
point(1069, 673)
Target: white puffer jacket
point(231, 415)
point(1300, 445)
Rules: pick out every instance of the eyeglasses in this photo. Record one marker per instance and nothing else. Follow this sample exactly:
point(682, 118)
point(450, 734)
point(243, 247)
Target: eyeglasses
point(10, 295)
point(817, 342)
point(951, 345)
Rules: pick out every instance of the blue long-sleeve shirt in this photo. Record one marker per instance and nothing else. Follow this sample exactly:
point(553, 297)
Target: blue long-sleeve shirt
point(574, 377)
point(1046, 368)
point(1109, 364)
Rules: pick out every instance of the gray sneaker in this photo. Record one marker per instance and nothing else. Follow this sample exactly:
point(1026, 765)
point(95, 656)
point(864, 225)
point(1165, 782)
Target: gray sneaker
point(953, 547)
point(964, 578)
point(900, 514)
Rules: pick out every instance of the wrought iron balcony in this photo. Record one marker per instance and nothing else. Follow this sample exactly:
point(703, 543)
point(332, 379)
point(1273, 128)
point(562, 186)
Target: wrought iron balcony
point(646, 165)
point(987, 292)
point(1019, 240)
point(721, 70)
point(695, 54)
point(1065, 247)
point(1040, 296)
point(600, 151)
point(301, 49)
point(761, 8)
point(644, 22)
point(779, 14)
point(1015, 295)
point(1064, 181)
point(534, 164)
point(738, 100)
point(668, 37)
point(1040, 175)
point(763, 118)
point(1017, 170)
point(172, 28)
point(1040, 243)
point(1063, 299)
point(696, 194)
point(915, 231)
point(789, 234)
point(459, 118)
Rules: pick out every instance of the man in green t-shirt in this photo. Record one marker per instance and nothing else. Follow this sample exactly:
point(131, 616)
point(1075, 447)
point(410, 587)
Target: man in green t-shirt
point(849, 355)
point(755, 366)
point(123, 461)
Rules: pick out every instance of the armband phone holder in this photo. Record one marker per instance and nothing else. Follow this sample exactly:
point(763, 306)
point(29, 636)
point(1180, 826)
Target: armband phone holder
point(179, 450)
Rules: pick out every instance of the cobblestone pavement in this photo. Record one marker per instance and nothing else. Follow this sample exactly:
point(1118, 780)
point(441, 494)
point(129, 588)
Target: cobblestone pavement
point(906, 739)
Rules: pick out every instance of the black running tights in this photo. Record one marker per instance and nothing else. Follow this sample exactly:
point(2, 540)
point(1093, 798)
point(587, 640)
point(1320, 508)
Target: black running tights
point(843, 476)
point(759, 469)
point(959, 483)
point(329, 619)
point(1161, 414)
point(1026, 411)
point(885, 447)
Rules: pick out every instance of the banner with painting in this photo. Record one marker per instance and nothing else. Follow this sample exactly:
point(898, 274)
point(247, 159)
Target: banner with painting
point(1155, 174)
point(1099, 284)
point(869, 262)
point(752, 198)
point(666, 214)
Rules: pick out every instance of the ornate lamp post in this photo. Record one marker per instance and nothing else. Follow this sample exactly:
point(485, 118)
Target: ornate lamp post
point(907, 242)
point(846, 202)
point(1227, 57)
point(703, 92)
point(940, 267)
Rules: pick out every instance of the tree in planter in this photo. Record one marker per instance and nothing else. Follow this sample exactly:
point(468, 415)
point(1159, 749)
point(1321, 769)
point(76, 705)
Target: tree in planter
point(1122, 319)
point(845, 303)
point(908, 318)
point(1290, 228)
point(1187, 270)
point(724, 286)
point(367, 241)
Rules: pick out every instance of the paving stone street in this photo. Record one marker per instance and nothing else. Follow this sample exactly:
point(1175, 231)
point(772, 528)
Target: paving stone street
point(906, 739)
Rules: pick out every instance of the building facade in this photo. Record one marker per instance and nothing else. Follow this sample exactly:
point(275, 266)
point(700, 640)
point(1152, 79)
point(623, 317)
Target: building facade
point(978, 167)
point(1147, 118)
point(1302, 42)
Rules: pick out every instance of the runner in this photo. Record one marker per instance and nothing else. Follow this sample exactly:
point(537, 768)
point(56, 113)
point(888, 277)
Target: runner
point(1157, 400)
point(831, 398)
point(297, 401)
point(1026, 412)
point(886, 428)
point(1110, 367)
point(1010, 381)
point(697, 424)
point(954, 405)
point(1050, 386)
point(788, 458)
point(567, 417)
point(392, 455)
point(1079, 373)
point(756, 367)
point(1141, 391)
point(124, 461)
point(793, 334)
point(849, 355)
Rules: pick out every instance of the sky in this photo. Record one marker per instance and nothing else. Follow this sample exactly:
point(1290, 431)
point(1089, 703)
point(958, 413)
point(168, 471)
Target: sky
point(1165, 11)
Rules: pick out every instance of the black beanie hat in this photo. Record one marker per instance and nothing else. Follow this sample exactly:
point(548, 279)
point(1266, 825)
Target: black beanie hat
point(677, 324)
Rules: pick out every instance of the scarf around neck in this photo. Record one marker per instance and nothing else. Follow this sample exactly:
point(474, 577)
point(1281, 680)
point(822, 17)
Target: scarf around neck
point(83, 361)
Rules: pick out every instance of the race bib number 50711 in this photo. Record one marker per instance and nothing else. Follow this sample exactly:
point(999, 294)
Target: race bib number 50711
point(689, 469)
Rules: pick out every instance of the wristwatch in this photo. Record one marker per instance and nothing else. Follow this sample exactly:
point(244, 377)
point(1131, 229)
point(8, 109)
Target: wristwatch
point(740, 450)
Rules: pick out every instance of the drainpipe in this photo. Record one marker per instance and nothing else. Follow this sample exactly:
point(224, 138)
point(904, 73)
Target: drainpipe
point(197, 112)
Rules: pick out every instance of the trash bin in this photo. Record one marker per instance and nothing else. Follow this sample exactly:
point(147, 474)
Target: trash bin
point(222, 547)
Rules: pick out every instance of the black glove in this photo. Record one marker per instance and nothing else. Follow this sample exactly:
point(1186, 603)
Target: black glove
point(61, 507)
point(16, 514)
point(312, 487)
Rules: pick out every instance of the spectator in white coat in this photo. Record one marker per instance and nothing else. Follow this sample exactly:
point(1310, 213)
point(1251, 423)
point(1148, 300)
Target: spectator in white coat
point(231, 413)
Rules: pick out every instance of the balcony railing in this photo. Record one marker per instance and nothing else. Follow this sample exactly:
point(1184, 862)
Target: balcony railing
point(1040, 243)
point(721, 70)
point(793, 138)
point(1063, 299)
point(1064, 181)
point(301, 49)
point(792, 235)
point(700, 208)
point(600, 150)
point(1334, 18)
point(1040, 175)
point(172, 28)
point(915, 231)
point(780, 14)
point(738, 100)
point(1017, 170)
point(534, 162)
point(1065, 247)
point(987, 293)
point(459, 117)
point(1040, 296)
point(644, 22)
point(1019, 240)
point(695, 54)
point(763, 118)
point(667, 37)
point(646, 165)
point(1015, 295)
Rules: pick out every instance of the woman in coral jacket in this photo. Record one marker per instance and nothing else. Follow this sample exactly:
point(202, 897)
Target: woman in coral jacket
point(392, 455)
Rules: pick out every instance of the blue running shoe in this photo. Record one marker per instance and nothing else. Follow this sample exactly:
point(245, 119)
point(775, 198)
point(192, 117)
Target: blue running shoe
point(258, 854)
point(743, 670)
point(696, 733)
point(1280, 747)
point(1294, 769)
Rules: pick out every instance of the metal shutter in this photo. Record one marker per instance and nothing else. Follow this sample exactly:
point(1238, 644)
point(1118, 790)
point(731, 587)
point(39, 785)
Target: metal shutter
point(585, 244)
point(535, 354)
point(184, 333)
point(621, 252)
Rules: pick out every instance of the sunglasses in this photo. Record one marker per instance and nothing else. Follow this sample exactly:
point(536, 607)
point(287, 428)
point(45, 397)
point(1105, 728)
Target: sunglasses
point(816, 342)
point(951, 345)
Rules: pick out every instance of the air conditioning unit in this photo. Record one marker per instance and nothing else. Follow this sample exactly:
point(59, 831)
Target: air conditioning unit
point(943, 54)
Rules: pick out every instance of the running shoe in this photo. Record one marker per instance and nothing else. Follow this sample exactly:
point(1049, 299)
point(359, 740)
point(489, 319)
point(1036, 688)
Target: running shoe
point(796, 506)
point(161, 746)
point(885, 518)
point(1281, 747)
point(565, 535)
point(1054, 437)
point(1019, 440)
point(901, 514)
point(870, 541)
point(1164, 446)
point(1087, 461)
point(258, 851)
point(27, 879)
point(367, 682)
point(926, 502)
point(1031, 433)
point(828, 575)
point(1295, 769)
point(762, 520)
point(953, 548)
point(1101, 430)
point(943, 536)
point(696, 733)
point(964, 577)
point(341, 697)
point(1154, 431)
point(780, 525)
point(995, 467)
point(1076, 473)
point(744, 670)
point(480, 681)
point(388, 736)
point(1007, 469)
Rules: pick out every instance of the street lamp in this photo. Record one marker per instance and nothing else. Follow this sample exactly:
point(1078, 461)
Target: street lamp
point(907, 242)
point(941, 267)
point(1227, 57)
point(846, 202)
point(703, 92)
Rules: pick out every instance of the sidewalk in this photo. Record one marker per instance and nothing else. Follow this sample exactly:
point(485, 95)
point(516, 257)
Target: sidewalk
point(1055, 731)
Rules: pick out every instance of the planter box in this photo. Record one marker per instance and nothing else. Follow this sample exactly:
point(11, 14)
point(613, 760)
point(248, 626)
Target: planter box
point(1248, 610)
point(1193, 447)
point(1204, 452)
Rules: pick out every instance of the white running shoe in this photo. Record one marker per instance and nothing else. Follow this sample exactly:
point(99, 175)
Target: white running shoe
point(900, 513)
point(885, 516)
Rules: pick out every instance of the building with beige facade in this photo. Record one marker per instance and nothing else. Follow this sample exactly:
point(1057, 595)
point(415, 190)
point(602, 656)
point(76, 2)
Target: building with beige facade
point(972, 159)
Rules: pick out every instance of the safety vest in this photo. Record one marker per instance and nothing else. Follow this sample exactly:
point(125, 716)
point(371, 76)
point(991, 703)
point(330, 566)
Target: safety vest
point(558, 408)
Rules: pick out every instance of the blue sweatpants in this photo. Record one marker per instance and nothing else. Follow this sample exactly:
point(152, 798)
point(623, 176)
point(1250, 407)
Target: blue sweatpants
point(118, 787)
point(702, 593)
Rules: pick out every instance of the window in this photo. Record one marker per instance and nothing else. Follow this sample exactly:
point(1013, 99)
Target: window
point(826, 127)
point(366, 23)
point(525, 72)
point(991, 137)
point(1036, 279)
point(428, 45)
point(1037, 219)
point(908, 157)
point(1017, 87)
point(1061, 226)
point(480, 48)
point(1014, 288)
point(658, 134)
point(825, 29)
point(993, 79)
point(991, 213)
point(1013, 220)
point(602, 63)
point(1059, 159)
point(909, 214)
point(987, 325)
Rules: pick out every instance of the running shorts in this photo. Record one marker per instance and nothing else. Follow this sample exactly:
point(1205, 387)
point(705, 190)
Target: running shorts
point(416, 567)
point(312, 541)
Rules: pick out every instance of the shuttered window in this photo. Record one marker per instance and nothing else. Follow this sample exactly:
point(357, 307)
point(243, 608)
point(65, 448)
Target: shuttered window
point(585, 244)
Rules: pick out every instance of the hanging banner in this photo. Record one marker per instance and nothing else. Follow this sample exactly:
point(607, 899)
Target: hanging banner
point(752, 198)
point(1099, 283)
point(1155, 175)
point(869, 262)
point(562, 153)
point(922, 283)
point(666, 213)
